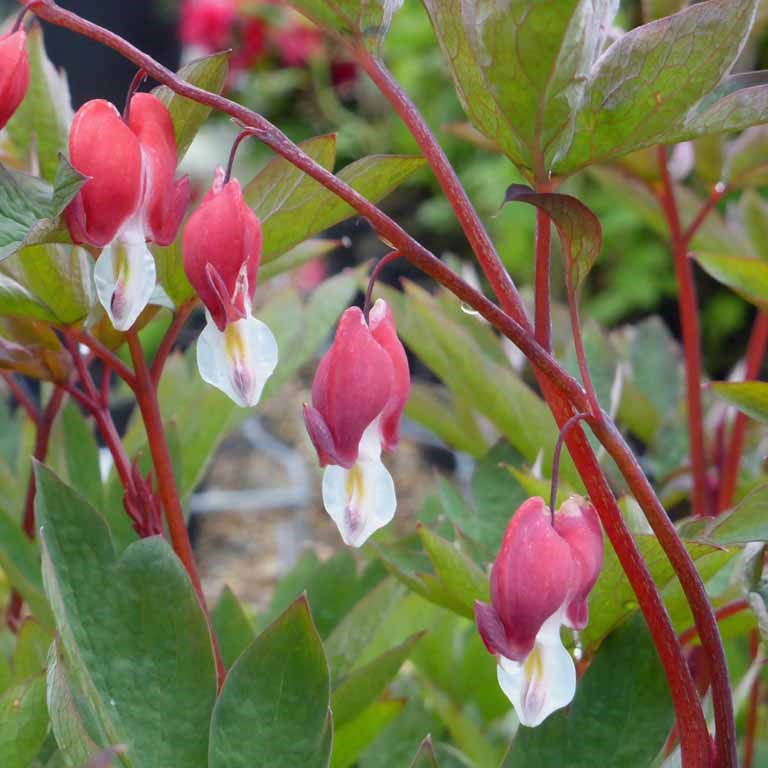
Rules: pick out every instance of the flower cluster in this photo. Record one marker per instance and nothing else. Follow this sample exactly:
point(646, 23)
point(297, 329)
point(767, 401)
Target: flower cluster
point(358, 396)
point(130, 197)
point(540, 581)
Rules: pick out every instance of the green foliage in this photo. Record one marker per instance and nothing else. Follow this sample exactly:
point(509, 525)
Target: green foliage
point(273, 710)
point(750, 397)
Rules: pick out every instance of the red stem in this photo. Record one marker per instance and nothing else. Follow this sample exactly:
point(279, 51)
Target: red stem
point(375, 272)
point(146, 396)
point(689, 320)
point(514, 325)
point(715, 196)
point(106, 355)
point(542, 310)
point(724, 612)
point(755, 353)
point(22, 398)
point(754, 703)
point(171, 335)
point(578, 343)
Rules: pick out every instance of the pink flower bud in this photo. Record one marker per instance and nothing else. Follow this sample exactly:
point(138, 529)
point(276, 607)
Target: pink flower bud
point(363, 376)
point(358, 396)
point(540, 580)
point(222, 248)
point(222, 251)
point(14, 74)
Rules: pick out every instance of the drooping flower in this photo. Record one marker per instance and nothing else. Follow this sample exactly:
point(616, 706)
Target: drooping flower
point(540, 581)
point(358, 395)
point(14, 74)
point(207, 24)
point(130, 197)
point(222, 248)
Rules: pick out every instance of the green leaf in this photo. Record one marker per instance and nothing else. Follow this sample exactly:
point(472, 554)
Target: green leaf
point(425, 757)
point(47, 282)
point(20, 560)
point(351, 739)
point(355, 692)
point(535, 60)
point(746, 522)
point(169, 264)
point(81, 453)
point(364, 20)
point(748, 277)
point(653, 75)
point(293, 207)
point(463, 580)
point(30, 658)
point(30, 207)
point(141, 609)
point(41, 123)
point(232, 626)
point(657, 9)
point(619, 720)
point(581, 235)
point(751, 397)
point(273, 708)
point(187, 116)
point(356, 630)
point(745, 162)
point(23, 723)
point(70, 728)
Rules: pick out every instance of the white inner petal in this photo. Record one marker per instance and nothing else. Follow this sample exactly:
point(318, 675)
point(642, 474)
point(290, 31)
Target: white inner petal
point(362, 499)
point(125, 278)
point(544, 681)
point(239, 360)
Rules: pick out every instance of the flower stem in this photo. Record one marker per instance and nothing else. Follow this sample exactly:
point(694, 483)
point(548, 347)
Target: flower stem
point(756, 348)
point(543, 312)
point(146, 396)
point(138, 79)
point(22, 397)
point(753, 706)
point(375, 272)
point(723, 612)
point(106, 355)
point(689, 320)
point(169, 339)
point(572, 422)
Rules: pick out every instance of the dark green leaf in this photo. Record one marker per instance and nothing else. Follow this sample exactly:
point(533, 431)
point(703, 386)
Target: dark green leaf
point(141, 609)
point(232, 626)
point(273, 709)
point(356, 691)
point(187, 116)
point(653, 75)
point(751, 397)
point(619, 720)
point(350, 740)
point(41, 123)
point(23, 723)
point(30, 207)
point(746, 522)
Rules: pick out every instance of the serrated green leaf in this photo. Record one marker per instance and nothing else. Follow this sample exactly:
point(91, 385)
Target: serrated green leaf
point(535, 61)
point(41, 123)
point(232, 626)
point(615, 719)
point(751, 397)
point(23, 723)
point(653, 75)
point(350, 740)
point(187, 116)
point(581, 235)
point(140, 608)
point(357, 690)
point(30, 207)
point(273, 708)
point(748, 277)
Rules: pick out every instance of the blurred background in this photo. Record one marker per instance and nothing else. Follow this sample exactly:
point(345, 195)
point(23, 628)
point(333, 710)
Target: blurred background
point(258, 510)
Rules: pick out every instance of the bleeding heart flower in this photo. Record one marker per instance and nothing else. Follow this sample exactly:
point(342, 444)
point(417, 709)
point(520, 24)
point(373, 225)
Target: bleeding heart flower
point(14, 74)
point(222, 248)
point(130, 197)
point(358, 396)
point(540, 581)
point(207, 24)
